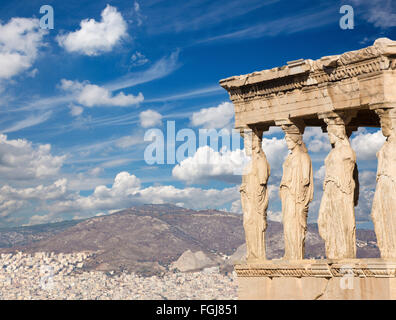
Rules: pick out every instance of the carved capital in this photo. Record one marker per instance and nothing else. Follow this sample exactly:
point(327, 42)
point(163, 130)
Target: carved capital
point(338, 118)
point(389, 113)
point(289, 126)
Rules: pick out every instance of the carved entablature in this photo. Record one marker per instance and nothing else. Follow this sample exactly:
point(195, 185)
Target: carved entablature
point(362, 80)
point(318, 268)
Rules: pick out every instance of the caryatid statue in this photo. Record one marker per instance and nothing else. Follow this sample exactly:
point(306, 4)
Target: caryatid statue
point(254, 195)
point(296, 192)
point(336, 221)
point(384, 203)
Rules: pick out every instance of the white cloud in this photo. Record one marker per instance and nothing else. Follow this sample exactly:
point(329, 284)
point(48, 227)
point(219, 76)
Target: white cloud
point(274, 216)
point(304, 20)
point(96, 171)
point(320, 174)
point(190, 197)
point(161, 68)
point(381, 13)
point(13, 199)
point(366, 145)
point(21, 160)
point(150, 118)
point(94, 38)
point(276, 152)
point(236, 206)
point(90, 95)
point(138, 59)
point(54, 191)
point(28, 122)
point(128, 141)
point(139, 16)
point(367, 184)
point(215, 117)
point(209, 164)
point(316, 140)
point(126, 191)
point(20, 40)
point(76, 110)
point(226, 165)
point(40, 219)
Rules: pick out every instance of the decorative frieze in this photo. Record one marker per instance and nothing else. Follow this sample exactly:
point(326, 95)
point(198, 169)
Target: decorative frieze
point(352, 80)
point(319, 268)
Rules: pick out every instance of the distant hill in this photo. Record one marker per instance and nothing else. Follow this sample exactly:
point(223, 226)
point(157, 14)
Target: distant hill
point(22, 236)
point(146, 239)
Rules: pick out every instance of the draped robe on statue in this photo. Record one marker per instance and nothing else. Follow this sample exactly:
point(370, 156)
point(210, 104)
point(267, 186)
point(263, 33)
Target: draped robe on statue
point(296, 191)
point(336, 221)
point(384, 203)
point(254, 199)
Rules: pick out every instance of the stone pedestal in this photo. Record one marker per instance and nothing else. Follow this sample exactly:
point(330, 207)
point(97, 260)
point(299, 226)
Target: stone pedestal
point(353, 279)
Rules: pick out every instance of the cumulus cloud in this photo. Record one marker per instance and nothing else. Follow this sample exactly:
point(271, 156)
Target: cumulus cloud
point(276, 152)
point(366, 145)
point(150, 118)
point(207, 164)
point(13, 199)
point(367, 183)
point(319, 175)
point(226, 165)
point(94, 38)
point(20, 40)
point(21, 160)
point(316, 140)
point(90, 95)
point(190, 197)
point(215, 117)
point(236, 206)
point(127, 191)
point(51, 192)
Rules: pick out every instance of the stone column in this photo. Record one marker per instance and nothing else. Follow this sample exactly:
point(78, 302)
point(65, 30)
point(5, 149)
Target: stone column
point(254, 194)
point(336, 221)
point(296, 190)
point(384, 204)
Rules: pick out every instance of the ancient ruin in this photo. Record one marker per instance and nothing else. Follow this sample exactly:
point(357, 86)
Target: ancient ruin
point(338, 93)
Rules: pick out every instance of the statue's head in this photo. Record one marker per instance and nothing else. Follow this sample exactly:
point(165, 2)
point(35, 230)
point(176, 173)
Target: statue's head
point(293, 140)
point(336, 132)
point(293, 136)
point(252, 142)
point(387, 125)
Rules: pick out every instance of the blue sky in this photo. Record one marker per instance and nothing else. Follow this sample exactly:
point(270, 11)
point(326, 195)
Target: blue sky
point(77, 100)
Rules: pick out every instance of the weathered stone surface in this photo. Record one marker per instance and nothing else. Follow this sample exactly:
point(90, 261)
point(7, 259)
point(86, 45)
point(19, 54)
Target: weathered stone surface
point(254, 197)
point(384, 203)
point(338, 93)
point(336, 220)
point(314, 288)
point(348, 279)
point(296, 192)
